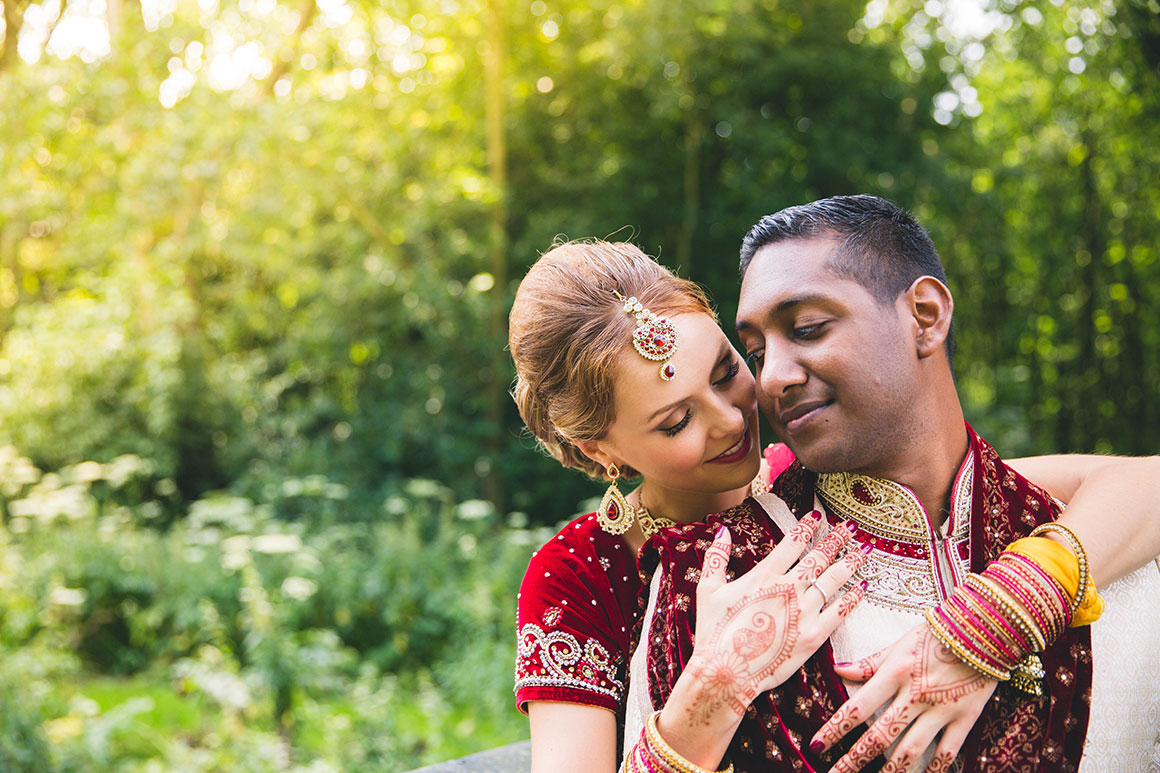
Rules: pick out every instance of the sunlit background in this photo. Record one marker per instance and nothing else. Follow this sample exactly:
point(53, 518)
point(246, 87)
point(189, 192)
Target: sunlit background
point(266, 502)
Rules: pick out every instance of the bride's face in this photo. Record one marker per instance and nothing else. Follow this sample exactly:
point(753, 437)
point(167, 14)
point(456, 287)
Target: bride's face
point(697, 432)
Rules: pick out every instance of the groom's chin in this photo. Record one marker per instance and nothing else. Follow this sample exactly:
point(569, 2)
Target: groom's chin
point(816, 457)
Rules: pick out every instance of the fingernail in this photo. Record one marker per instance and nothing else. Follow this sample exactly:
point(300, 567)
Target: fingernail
point(816, 515)
point(843, 664)
point(864, 585)
point(851, 526)
point(816, 746)
point(721, 530)
point(867, 548)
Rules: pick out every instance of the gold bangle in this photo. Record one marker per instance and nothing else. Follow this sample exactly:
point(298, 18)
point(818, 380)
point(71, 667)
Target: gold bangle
point(1076, 546)
point(668, 754)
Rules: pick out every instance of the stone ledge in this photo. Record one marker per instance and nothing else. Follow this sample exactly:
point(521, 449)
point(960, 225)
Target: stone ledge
point(516, 758)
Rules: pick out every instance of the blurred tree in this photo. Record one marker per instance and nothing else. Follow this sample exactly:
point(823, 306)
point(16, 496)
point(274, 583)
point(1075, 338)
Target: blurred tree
point(1051, 245)
point(259, 240)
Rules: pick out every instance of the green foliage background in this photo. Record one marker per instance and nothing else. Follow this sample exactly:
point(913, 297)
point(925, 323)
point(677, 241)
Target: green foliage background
point(265, 502)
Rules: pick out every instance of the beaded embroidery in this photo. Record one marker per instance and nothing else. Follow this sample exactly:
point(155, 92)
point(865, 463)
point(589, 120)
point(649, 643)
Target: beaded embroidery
point(557, 659)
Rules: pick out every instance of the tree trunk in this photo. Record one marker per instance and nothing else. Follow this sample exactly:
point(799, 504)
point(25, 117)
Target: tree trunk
point(1089, 365)
point(497, 168)
point(694, 138)
point(305, 16)
point(10, 258)
point(13, 21)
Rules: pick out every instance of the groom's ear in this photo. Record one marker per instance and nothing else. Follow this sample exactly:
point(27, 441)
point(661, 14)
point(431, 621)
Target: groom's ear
point(930, 306)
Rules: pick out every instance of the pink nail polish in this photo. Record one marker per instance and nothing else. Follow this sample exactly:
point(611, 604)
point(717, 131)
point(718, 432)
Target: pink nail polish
point(867, 548)
point(851, 526)
point(720, 533)
point(816, 746)
point(816, 515)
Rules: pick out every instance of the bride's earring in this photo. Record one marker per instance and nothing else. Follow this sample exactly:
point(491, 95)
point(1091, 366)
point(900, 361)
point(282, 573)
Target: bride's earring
point(615, 515)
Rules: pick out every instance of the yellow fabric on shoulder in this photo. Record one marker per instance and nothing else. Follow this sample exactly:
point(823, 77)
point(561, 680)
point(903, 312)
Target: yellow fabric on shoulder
point(1063, 565)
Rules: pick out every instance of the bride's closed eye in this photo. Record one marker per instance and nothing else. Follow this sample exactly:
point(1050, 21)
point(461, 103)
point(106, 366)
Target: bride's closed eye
point(730, 372)
point(680, 425)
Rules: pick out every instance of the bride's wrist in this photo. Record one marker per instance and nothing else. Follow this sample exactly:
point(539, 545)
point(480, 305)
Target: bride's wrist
point(703, 706)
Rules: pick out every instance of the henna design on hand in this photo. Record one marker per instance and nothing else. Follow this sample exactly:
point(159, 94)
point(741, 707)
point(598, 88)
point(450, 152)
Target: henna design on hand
point(716, 559)
point(880, 735)
point(816, 561)
point(847, 603)
point(924, 687)
point(866, 666)
point(843, 721)
point(899, 764)
point(804, 530)
point(941, 763)
point(855, 558)
point(749, 643)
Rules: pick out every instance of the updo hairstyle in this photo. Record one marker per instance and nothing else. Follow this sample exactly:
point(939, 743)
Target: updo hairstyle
point(568, 330)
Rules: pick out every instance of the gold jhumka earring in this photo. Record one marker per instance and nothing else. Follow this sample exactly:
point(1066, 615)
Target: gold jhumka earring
point(615, 515)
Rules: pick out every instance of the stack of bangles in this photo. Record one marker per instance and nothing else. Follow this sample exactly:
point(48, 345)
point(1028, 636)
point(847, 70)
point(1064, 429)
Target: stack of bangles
point(652, 755)
point(1022, 602)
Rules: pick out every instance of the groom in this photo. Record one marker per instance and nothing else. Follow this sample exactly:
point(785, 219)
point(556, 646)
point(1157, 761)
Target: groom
point(845, 313)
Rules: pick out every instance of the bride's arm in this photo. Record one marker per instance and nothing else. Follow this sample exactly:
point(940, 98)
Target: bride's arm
point(1113, 506)
point(572, 738)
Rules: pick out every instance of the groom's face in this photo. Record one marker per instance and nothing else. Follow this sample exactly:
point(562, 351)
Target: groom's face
point(836, 368)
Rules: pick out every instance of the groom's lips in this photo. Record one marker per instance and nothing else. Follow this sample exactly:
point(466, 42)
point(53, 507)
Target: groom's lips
point(802, 414)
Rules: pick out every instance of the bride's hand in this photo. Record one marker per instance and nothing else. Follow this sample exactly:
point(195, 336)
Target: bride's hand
point(754, 632)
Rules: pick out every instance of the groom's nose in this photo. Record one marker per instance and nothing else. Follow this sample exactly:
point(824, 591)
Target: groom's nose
point(780, 371)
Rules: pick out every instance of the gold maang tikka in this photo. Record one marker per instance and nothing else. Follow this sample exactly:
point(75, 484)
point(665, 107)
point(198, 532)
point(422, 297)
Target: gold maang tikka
point(655, 337)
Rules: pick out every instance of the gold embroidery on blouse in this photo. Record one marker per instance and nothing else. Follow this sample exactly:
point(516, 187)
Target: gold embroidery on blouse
point(557, 659)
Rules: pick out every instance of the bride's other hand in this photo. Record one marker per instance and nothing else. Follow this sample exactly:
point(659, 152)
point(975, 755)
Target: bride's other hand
point(927, 691)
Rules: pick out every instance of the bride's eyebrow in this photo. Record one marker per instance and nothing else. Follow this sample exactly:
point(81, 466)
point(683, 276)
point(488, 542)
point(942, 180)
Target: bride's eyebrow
point(665, 409)
point(722, 356)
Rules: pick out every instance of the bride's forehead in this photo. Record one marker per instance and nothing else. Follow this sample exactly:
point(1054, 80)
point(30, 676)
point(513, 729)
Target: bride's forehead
point(699, 344)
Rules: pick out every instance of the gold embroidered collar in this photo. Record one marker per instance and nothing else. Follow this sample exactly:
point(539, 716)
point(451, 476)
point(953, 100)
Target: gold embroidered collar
point(888, 509)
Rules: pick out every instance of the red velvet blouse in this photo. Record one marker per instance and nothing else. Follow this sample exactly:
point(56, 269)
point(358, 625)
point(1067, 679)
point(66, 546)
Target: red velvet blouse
point(578, 604)
point(577, 608)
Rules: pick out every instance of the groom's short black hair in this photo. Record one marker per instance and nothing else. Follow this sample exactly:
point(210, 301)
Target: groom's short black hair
point(880, 246)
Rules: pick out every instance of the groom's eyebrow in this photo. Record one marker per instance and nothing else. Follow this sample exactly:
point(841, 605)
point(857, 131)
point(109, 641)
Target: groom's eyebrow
point(781, 307)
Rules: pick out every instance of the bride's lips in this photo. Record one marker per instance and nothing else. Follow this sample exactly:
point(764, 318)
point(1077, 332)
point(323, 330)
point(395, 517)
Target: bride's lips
point(737, 452)
point(795, 419)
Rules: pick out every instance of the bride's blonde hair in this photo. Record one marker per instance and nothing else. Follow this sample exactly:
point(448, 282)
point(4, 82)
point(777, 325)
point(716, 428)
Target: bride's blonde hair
point(568, 330)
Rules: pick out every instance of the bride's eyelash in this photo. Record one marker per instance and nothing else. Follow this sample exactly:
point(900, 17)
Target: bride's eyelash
point(730, 373)
point(734, 366)
point(680, 425)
